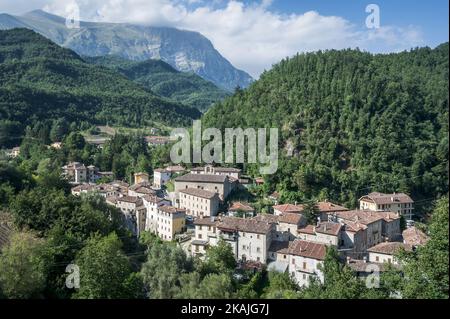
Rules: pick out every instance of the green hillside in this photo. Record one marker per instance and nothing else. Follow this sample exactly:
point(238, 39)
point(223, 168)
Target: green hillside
point(40, 81)
point(358, 122)
point(186, 88)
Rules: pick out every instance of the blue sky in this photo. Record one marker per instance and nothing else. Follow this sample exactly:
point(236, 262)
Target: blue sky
point(255, 34)
point(430, 15)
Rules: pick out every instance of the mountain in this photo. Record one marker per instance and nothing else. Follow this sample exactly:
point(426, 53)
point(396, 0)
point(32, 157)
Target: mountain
point(353, 122)
point(184, 50)
point(41, 81)
point(186, 88)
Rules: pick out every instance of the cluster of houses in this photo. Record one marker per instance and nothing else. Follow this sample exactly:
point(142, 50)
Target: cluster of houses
point(78, 173)
point(282, 241)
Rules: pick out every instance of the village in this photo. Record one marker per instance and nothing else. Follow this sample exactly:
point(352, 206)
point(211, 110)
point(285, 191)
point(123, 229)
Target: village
point(195, 212)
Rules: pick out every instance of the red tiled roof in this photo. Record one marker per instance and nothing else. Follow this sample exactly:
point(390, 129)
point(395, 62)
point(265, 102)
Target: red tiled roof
point(245, 225)
point(289, 208)
point(389, 248)
point(308, 229)
point(307, 249)
point(240, 206)
point(290, 218)
point(414, 237)
point(329, 228)
point(198, 193)
point(326, 207)
point(381, 198)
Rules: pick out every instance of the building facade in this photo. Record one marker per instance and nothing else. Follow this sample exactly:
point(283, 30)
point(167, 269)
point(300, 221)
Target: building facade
point(199, 202)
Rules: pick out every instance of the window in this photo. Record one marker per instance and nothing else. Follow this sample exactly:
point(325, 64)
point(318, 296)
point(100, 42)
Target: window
point(258, 250)
point(377, 258)
point(199, 236)
point(257, 236)
point(293, 261)
point(304, 265)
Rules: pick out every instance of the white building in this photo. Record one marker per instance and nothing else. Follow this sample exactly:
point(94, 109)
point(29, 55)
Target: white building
point(326, 233)
point(396, 202)
point(170, 222)
point(287, 208)
point(220, 184)
point(302, 259)
point(199, 202)
point(78, 173)
point(151, 204)
point(161, 177)
point(386, 252)
point(249, 238)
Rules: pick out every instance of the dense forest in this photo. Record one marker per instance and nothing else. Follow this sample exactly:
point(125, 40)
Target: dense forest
point(40, 80)
point(186, 88)
point(356, 122)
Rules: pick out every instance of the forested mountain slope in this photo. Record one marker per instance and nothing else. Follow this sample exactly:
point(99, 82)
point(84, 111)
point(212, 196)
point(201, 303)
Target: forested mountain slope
point(357, 121)
point(40, 80)
point(186, 88)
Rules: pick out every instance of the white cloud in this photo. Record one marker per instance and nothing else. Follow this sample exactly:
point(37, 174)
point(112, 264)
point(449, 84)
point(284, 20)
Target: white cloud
point(251, 36)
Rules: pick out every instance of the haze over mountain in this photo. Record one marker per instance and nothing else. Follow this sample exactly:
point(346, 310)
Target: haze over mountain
point(185, 50)
point(40, 81)
point(186, 88)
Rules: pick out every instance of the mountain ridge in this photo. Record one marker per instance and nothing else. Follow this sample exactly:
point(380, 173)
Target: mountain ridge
point(184, 50)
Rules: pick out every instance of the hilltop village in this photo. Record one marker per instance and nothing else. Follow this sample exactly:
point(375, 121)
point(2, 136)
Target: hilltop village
point(196, 213)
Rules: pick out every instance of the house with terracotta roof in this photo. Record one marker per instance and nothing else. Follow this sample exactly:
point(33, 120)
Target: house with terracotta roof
point(274, 197)
point(397, 202)
point(365, 229)
point(287, 208)
point(287, 224)
point(303, 259)
point(249, 238)
point(326, 208)
point(240, 208)
point(78, 173)
point(386, 252)
point(170, 222)
point(205, 235)
point(414, 237)
point(327, 233)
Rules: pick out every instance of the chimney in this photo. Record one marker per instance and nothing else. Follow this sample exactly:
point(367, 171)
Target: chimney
point(348, 259)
